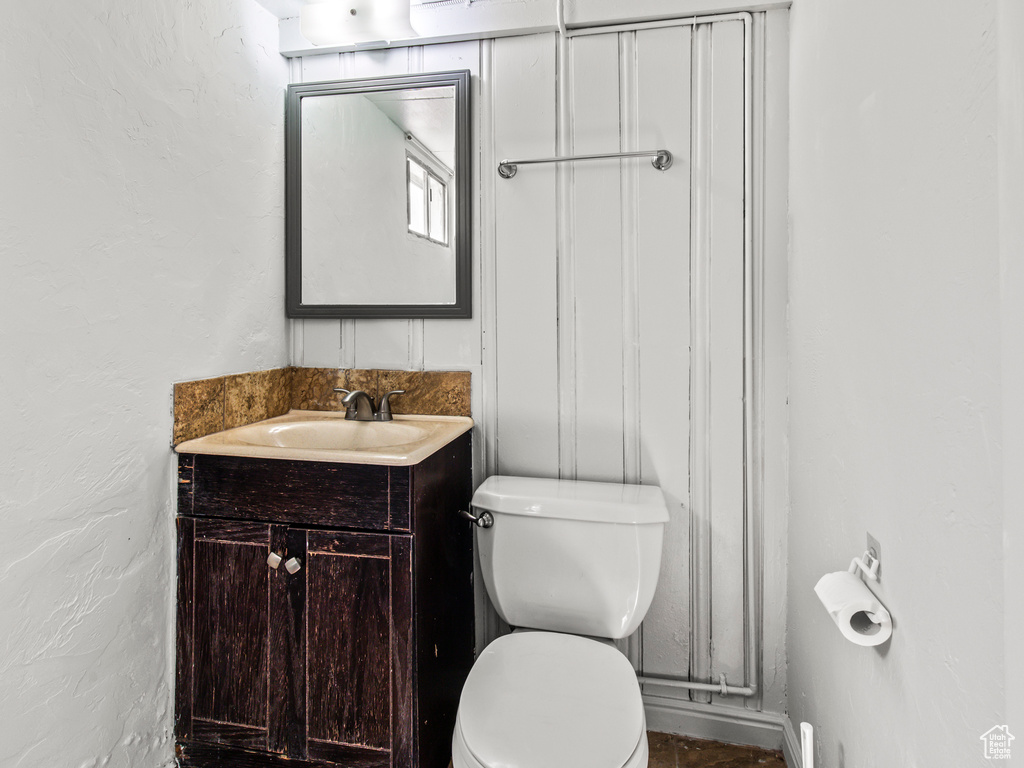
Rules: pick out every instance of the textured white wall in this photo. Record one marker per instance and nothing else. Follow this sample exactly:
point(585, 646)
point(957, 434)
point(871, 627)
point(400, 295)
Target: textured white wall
point(895, 421)
point(1010, 41)
point(141, 233)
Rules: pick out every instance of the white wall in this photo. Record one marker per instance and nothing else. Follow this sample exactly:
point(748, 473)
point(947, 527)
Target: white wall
point(1010, 41)
point(588, 326)
point(141, 230)
point(895, 350)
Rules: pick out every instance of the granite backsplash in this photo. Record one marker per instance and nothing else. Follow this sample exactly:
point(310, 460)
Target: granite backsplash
point(211, 405)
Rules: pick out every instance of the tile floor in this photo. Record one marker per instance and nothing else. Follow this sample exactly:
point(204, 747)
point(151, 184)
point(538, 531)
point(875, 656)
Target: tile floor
point(682, 752)
point(669, 751)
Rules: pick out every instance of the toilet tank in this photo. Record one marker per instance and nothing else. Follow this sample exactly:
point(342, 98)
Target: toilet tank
point(571, 556)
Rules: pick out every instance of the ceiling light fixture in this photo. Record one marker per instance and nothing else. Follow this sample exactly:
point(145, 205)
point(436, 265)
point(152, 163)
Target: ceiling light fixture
point(350, 22)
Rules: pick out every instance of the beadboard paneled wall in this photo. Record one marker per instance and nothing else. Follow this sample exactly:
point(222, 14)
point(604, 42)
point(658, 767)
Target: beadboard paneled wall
point(607, 337)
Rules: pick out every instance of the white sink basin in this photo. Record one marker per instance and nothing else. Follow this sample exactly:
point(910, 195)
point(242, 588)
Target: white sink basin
point(327, 436)
point(331, 435)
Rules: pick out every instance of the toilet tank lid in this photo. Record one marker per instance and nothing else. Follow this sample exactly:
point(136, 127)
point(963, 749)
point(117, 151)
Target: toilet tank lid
point(572, 500)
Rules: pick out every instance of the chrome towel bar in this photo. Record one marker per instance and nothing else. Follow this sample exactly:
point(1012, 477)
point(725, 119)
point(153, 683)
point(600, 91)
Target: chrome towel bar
point(662, 160)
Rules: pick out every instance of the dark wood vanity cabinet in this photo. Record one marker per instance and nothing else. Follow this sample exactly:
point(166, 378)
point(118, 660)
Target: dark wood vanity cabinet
point(355, 659)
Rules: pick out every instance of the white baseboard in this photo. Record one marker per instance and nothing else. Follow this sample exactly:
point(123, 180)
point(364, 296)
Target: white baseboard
point(732, 725)
point(791, 745)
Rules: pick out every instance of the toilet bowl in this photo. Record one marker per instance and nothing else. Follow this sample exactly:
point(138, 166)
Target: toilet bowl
point(573, 565)
point(550, 700)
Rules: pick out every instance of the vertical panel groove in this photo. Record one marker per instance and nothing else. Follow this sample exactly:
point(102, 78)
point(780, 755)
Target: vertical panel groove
point(755, 328)
point(629, 204)
point(628, 107)
point(348, 343)
point(700, 365)
point(526, 259)
point(663, 81)
point(566, 275)
point(488, 261)
point(729, 283)
point(347, 358)
point(488, 622)
point(416, 326)
point(597, 240)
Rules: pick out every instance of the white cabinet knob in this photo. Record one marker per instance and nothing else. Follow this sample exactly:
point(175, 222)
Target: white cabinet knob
point(293, 565)
point(274, 560)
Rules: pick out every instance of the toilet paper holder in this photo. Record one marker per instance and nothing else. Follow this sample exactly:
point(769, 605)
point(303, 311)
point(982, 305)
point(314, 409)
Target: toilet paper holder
point(852, 605)
point(870, 571)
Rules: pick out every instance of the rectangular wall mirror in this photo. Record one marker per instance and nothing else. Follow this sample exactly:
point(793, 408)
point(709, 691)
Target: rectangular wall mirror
point(377, 212)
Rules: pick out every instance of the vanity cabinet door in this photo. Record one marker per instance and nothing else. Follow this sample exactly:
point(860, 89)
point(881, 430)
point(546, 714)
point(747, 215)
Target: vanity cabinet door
point(358, 648)
point(312, 666)
point(223, 638)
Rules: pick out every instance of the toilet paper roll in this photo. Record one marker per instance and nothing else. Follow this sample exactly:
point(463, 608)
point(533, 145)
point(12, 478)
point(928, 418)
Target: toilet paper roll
point(859, 615)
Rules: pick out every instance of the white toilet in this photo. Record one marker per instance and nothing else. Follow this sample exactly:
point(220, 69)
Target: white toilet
point(571, 566)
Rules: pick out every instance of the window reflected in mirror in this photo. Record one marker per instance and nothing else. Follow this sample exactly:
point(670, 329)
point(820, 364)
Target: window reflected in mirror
point(428, 203)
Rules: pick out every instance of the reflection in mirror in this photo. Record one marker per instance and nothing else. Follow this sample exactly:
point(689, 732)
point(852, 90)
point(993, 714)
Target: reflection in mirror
point(358, 150)
point(377, 211)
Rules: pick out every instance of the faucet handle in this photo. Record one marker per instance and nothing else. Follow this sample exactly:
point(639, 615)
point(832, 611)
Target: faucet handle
point(350, 408)
point(384, 412)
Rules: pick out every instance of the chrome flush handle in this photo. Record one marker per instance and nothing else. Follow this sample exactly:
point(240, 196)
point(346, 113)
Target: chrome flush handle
point(483, 520)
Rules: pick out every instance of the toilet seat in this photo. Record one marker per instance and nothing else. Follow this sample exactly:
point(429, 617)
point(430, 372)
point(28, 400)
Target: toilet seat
point(550, 700)
point(463, 758)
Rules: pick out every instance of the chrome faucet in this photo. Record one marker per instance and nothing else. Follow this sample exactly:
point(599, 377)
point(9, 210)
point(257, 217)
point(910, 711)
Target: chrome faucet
point(359, 405)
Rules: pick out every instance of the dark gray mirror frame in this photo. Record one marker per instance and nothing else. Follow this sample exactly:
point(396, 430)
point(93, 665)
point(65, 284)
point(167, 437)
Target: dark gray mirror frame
point(462, 307)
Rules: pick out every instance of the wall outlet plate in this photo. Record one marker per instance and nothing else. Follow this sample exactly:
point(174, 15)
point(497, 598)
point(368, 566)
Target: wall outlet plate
point(874, 545)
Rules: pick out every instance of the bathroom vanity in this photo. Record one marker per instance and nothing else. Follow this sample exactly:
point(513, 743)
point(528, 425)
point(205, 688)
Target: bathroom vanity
point(325, 608)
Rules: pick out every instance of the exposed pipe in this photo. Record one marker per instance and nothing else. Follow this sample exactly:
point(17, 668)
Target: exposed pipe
point(722, 688)
point(752, 481)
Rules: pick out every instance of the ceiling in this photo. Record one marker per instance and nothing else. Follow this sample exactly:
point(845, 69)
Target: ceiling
point(426, 113)
point(283, 9)
point(287, 9)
